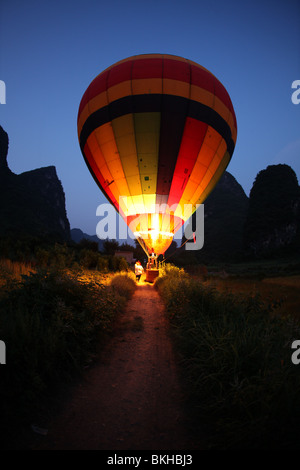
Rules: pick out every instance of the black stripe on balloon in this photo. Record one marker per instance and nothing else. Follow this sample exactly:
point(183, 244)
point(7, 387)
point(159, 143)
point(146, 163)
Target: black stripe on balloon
point(173, 117)
point(153, 103)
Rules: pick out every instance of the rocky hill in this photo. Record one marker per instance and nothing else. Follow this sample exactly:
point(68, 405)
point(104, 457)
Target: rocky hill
point(31, 203)
point(265, 224)
point(273, 218)
point(225, 212)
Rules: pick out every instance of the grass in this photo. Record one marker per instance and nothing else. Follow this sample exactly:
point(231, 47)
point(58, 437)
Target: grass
point(13, 270)
point(233, 336)
point(235, 358)
point(279, 294)
point(53, 323)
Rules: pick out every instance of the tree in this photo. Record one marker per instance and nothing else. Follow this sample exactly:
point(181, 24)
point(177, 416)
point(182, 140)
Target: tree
point(88, 244)
point(126, 247)
point(110, 246)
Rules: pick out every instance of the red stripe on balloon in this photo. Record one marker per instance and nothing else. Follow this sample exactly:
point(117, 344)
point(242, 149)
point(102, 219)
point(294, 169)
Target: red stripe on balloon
point(100, 180)
point(192, 139)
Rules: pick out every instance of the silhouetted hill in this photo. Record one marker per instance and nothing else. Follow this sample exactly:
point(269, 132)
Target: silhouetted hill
point(225, 212)
point(273, 219)
point(32, 203)
point(77, 235)
point(237, 227)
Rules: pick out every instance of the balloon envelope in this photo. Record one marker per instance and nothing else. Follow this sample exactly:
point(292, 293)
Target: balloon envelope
point(157, 132)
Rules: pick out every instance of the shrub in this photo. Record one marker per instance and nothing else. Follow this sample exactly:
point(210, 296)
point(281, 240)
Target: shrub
point(89, 259)
point(124, 284)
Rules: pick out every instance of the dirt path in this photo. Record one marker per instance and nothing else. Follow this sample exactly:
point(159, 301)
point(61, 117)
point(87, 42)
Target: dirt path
point(130, 400)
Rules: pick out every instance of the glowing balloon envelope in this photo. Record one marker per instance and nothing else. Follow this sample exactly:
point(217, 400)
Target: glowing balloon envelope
point(157, 132)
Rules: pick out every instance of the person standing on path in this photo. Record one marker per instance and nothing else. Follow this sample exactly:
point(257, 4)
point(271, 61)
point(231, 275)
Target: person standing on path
point(138, 270)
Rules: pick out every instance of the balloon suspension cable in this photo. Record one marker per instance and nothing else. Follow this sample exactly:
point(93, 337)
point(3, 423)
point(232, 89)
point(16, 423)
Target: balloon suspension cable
point(143, 245)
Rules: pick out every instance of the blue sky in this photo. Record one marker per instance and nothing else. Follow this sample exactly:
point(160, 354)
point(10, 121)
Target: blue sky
point(51, 50)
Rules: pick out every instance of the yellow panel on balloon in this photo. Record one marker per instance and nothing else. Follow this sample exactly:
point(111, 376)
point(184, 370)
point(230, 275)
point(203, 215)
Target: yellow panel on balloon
point(134, 185)
point(149, 183)
point(147, 131)
point(138, 204)
point(149, 202)
point(125, 204)
point(123, 126)
point(126, 146)
point(131, 167)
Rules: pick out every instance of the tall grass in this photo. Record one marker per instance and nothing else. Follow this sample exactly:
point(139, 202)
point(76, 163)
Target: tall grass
point(236, 364)
point(13, 269)
point(52, 323)
point(124, 284)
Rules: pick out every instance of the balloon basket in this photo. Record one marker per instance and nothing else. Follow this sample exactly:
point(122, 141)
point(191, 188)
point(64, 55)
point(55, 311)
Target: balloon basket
point(151, 274)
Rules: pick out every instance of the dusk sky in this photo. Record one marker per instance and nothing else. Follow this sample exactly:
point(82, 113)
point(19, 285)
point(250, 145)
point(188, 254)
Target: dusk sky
point(50, 51)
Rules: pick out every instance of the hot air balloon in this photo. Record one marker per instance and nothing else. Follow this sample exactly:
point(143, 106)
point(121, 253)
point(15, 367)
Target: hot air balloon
point(156, 132)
